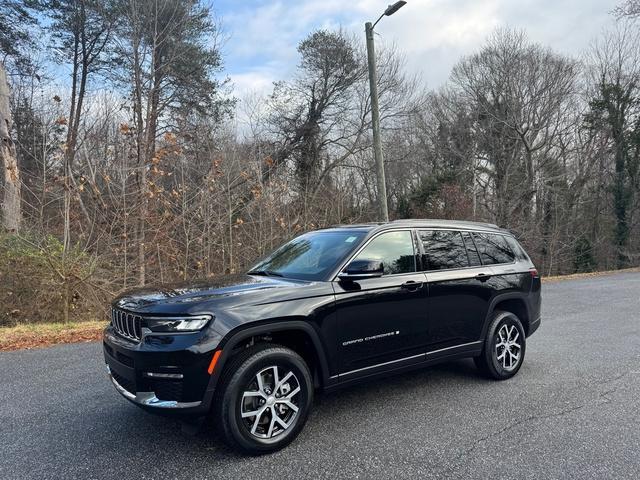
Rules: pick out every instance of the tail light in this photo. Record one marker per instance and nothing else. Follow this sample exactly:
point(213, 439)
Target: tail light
point(534, 273)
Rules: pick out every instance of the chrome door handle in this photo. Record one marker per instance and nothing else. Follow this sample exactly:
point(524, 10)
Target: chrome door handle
point(411, 285)
point(483, 277)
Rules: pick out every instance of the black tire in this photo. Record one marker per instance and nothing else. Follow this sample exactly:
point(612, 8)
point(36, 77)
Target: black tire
point(489, 362)
point(240, 376)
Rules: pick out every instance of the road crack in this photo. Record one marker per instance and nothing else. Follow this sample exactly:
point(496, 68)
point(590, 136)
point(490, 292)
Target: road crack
point(601, 399)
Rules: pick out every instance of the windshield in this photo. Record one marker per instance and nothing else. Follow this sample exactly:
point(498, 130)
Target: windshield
point(311, 256)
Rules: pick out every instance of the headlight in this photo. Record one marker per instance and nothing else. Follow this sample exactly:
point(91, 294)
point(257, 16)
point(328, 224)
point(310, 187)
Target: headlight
point(176, 324)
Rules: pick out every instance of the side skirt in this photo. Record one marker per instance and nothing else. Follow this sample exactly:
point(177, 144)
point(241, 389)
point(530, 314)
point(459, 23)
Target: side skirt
point(434, 357)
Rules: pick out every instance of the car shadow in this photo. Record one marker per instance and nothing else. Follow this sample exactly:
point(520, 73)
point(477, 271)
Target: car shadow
point(116, 420)
point(371, 394)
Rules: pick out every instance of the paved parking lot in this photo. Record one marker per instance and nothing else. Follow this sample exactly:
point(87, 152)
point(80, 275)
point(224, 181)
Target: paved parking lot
point(572, 412)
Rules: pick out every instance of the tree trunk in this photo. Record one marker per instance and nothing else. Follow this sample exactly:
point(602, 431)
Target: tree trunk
point(11, 213)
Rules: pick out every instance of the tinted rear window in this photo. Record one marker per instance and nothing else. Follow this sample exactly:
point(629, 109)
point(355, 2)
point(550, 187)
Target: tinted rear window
point(443, 250)
point(493, 249)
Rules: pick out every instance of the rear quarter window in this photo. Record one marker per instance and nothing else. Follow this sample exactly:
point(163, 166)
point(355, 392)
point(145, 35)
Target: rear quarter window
point(493, 249)
point(521, 255)
point(443, 250)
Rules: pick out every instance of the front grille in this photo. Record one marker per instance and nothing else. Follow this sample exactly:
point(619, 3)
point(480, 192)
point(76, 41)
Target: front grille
point(127, 324)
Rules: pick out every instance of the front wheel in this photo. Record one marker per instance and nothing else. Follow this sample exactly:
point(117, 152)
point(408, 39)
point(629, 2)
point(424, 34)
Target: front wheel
point(264, 398)
point(504, 347)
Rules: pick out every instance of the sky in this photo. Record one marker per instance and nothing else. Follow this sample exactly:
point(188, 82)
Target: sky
point(262, 35)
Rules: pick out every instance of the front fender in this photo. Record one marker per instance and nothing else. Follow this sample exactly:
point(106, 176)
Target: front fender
point(237, 336)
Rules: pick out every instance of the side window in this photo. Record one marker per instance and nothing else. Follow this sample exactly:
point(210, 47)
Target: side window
point(493, 248)
point(443, 249)
point(394, 250)
point(519, 251)
point(472, 253)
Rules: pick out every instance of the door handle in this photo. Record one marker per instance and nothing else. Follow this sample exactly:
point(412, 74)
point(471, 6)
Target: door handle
point(411, 285)
point(483, 277)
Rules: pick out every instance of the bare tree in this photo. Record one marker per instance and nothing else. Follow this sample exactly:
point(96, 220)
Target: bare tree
point(629, 8)
point(82, 29)
point(169, 66)
point(519, 93)
point(615, 110)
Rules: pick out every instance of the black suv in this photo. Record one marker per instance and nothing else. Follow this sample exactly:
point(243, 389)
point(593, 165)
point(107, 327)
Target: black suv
point(327, 309)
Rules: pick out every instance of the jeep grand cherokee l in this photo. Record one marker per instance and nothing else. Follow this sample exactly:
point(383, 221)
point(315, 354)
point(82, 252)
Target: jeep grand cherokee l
point(327, 309)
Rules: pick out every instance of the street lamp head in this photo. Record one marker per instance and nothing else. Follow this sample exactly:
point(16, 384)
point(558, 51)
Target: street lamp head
point(391, 9)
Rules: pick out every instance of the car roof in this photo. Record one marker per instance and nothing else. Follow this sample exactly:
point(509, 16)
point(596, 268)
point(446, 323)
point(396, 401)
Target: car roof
point(424, 223)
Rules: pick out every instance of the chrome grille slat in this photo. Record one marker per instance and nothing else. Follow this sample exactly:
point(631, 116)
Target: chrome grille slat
point(127, 325)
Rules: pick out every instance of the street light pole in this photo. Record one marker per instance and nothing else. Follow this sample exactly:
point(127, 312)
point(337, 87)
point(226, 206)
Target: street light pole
point(383, 210)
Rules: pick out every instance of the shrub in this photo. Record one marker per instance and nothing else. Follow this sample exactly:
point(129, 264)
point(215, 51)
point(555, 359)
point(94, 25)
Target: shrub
point(42, 283)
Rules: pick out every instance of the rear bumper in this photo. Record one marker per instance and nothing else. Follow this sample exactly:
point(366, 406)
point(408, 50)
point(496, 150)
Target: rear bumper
point(157, 378)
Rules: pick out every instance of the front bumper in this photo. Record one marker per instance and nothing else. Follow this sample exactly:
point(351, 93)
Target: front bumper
point(149, 399)
point(133, 370)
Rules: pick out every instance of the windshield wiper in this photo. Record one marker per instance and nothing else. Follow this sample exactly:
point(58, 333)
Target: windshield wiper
point(266, 273)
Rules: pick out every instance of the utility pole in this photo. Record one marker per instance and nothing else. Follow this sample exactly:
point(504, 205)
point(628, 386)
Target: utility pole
point(383, 210)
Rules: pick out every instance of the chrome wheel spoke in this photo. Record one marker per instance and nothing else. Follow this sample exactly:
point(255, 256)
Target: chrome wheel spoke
point(260, 382)
point(290, 395)
point(277, 418)
point(276, 381)
point(256, 423)
point(251, 414)
point(251, 394)
point(283, 381)
point(288, 404)
point(502, 335)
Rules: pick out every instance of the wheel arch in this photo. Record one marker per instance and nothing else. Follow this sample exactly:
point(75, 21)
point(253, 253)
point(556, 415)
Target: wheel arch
point(294, 334)
point(515, 303)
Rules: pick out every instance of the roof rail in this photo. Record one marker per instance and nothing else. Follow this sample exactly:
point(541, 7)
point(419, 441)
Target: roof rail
point(460, 222)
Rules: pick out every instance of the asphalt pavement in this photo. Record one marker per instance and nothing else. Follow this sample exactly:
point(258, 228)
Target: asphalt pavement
point(573, 411)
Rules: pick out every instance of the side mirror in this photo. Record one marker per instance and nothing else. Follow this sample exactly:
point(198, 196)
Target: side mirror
point(361, 269)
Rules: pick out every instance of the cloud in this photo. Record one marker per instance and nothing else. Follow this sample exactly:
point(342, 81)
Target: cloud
point(433, 34)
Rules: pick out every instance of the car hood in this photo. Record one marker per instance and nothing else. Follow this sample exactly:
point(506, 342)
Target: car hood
point(225, 291)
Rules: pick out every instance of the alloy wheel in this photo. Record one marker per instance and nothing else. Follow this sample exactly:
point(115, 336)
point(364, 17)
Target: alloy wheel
point(270, 402)
point(508, 350)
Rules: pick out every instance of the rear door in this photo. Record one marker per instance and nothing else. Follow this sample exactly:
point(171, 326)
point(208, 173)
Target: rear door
point(382, 321)
point(459, 291)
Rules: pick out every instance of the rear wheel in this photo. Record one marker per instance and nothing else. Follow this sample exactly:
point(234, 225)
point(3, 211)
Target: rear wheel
point(264, 398)
point(504, 347)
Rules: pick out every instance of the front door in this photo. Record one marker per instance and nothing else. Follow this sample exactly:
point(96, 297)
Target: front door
point(382, 321)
